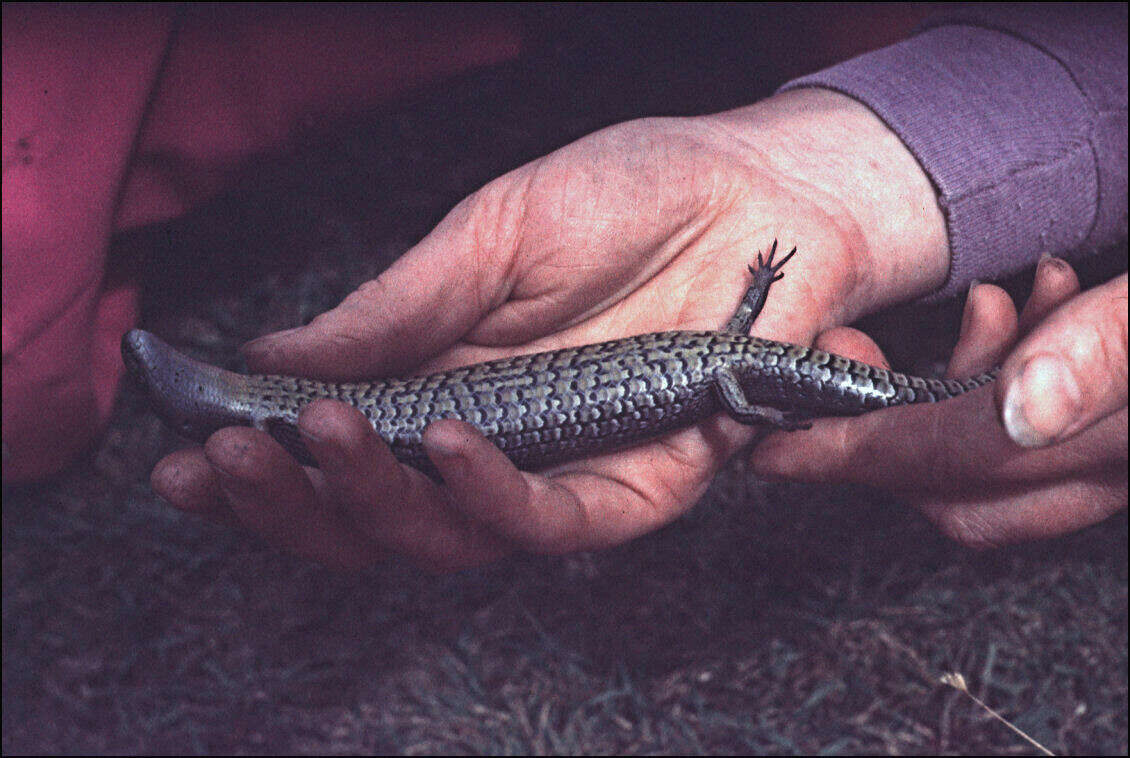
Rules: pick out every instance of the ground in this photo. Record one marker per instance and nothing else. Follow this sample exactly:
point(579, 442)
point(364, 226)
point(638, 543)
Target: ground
point(772, 618)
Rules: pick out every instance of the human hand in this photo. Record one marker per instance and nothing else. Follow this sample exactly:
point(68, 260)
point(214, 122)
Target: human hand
point(645, 226)
point(1057, 462)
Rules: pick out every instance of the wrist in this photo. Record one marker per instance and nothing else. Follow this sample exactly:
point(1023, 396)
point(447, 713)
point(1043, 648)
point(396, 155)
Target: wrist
point(841, 155)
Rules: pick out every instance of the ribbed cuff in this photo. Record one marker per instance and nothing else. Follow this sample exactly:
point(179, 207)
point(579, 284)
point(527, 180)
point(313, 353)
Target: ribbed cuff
point(1003, 132)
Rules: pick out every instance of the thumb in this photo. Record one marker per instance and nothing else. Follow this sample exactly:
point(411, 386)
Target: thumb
point(1069, 371)
point(419, 306)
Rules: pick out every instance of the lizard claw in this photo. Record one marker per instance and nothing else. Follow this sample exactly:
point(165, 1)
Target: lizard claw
point(766, 267)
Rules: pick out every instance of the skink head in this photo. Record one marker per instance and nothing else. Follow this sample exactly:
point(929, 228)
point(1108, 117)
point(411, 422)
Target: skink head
point(194, 398)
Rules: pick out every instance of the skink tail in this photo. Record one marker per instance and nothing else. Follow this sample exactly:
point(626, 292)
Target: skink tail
point(193, 397)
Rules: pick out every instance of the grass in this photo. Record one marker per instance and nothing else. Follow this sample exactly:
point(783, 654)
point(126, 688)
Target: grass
point(771, 619)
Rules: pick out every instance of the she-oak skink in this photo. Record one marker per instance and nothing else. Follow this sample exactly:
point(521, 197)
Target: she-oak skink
point(550, 407)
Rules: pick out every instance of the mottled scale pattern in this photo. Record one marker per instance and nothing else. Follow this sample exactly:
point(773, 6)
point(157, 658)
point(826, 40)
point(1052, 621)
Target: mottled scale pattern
point(824, 384)
point(549, 407)
point(539, 409)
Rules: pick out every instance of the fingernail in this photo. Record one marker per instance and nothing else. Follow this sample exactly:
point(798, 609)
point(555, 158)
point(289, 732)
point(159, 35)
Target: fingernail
point(1042, 402)
point(967, 311)
point(1046, 260)
point(308, 435)
point(448, 449)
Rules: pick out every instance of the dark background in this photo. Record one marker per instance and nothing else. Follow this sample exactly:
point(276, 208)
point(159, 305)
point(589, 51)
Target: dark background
point(772, 618)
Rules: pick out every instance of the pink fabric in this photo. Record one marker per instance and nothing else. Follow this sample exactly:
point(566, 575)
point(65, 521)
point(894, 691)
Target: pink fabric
point(111, 120)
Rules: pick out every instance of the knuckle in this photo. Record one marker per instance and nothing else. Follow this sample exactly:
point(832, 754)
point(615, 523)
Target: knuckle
point(1091, 334)
point(1099, 345)
point(546, 538)
point(492, 218)
point(968, 529)
point(373, 288)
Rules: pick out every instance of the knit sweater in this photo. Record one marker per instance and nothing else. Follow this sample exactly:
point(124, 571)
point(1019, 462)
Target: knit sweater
point(1018, 116)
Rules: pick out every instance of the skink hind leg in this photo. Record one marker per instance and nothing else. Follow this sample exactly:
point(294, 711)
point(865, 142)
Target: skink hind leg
point(742, 410)
point(287, 435)
point(754, 299)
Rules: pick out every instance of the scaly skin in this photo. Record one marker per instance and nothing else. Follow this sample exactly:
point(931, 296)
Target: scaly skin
point(550, 407)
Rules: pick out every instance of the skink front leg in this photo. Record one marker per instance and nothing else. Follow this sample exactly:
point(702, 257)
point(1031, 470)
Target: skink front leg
point(754, 299)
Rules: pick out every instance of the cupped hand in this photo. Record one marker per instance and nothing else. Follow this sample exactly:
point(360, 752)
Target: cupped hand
point(1043, 454)
point(645, 226)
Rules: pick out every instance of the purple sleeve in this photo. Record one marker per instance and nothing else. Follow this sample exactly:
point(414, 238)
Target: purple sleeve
point(1018, 116)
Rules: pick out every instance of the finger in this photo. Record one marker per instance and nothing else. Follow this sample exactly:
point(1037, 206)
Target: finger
point(896, 448)
point(396, 507)
point(186, 480)
point(933, 447)
point(1069, 371)
point(273, 497)
point(426, 300)
point(1048, 509)
point(548, 514)
point(487, 487)
point(851, 343)
point(1055, 284)
point(988, 330)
